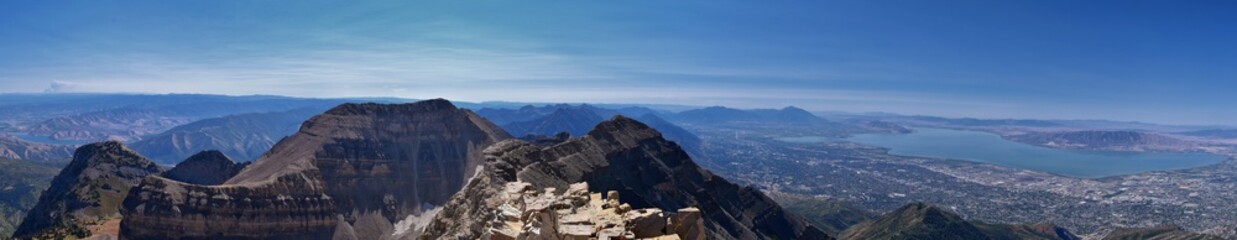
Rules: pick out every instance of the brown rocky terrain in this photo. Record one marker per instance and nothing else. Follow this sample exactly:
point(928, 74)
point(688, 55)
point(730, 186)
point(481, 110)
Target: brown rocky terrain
point(353, 172)
point(632, 159)
point(577, 214)
point(87, 193)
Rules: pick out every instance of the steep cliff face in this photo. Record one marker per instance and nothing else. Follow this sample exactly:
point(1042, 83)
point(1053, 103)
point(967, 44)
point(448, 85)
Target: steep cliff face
point(205, 168)
point(353, 171)
point(84, 198)
point(632, 159)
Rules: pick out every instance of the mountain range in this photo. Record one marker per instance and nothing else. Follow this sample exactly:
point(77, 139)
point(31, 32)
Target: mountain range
point(626, 156)
point(1131, 141)
point(14, 148)
point(431, 170)
point(243, 136)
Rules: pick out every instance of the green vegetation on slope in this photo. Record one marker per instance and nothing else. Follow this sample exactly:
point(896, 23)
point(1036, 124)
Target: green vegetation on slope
point(21, 182)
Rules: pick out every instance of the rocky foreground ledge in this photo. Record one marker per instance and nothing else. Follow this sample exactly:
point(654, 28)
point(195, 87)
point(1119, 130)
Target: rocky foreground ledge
point(577, 214)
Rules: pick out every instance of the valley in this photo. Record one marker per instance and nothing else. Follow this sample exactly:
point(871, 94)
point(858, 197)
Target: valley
point(874, 180)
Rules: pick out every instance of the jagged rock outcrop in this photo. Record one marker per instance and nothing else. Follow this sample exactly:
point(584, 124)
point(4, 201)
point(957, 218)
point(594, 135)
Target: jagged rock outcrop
point(635, 161)
point(205, 168)
point(84, 198)
point(354, 171)
point(577, 214)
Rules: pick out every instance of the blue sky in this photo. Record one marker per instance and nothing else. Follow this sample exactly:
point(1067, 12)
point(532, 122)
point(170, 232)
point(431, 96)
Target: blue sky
point(1158, 61)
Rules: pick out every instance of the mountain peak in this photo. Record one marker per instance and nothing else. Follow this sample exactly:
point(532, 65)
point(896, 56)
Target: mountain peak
point(355, 170)
point(110, 151)
point(793, 108)
point(206, 168)
point(628, 158)
point(915, 221)
point(622, 125)
point(377, 108)
point(210, 155)
point(87, 192)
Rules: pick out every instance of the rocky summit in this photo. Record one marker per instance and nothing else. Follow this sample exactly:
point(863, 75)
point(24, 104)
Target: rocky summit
point(577, 214)
point(357, 171)
point(84, 198)
point(205, 168)
point(634, 161)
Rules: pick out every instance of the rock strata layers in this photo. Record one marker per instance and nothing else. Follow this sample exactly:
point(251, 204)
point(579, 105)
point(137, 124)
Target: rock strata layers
point(635, 161)
point(354, 171)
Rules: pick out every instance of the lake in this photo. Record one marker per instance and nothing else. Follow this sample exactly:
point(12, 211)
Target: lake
point(45, 139)
point(990, 148)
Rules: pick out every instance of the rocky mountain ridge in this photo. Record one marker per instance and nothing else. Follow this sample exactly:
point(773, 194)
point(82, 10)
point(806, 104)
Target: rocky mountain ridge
point(84, 198)
point(355, 171)
point(629, 157)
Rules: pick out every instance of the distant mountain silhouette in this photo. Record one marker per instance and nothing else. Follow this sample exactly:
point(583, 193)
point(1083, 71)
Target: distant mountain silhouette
point(131, 117)
point(720, 114)
point(244, 136)
point(575, 121)
point(13, 148)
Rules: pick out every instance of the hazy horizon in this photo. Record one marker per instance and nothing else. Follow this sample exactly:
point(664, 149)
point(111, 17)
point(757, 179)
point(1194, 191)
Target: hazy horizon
point(1146, 61)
